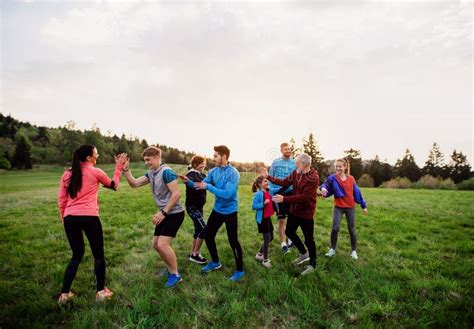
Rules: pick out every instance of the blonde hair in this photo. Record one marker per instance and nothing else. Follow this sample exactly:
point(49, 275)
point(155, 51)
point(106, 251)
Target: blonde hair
point(345, 162)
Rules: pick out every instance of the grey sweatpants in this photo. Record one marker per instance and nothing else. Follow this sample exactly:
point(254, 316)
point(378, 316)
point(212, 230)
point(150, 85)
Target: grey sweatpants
point(336, 223)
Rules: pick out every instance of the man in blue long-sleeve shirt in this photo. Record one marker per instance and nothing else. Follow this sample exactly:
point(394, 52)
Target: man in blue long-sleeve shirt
point(223, 182)
point(282, 168)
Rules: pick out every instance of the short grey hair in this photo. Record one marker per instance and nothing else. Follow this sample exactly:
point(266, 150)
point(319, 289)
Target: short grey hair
point(305, 159)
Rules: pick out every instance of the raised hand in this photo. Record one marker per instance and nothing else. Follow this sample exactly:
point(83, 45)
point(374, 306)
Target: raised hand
point(120, 158)
point(126, 165)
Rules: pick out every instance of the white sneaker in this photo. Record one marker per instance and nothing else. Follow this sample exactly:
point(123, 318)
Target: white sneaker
point(354, 254)
point(331, 253)
point(259, 257)
point(308, 269)
point(266, 263)
point(301, 259)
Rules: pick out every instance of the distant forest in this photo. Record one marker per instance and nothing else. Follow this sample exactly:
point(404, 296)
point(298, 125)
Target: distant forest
point(24, 144)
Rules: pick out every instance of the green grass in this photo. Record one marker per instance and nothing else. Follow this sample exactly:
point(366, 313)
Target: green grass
point(415, 268)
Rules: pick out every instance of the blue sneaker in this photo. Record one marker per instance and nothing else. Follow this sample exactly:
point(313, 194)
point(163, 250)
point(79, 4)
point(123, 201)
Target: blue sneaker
point(237, 276)
point(173, 280)
point(211, 267)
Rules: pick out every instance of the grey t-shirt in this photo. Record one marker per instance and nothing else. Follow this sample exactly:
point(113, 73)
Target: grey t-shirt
point(159, 178)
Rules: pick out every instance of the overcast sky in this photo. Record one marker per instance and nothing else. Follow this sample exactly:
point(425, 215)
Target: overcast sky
point(377, 76)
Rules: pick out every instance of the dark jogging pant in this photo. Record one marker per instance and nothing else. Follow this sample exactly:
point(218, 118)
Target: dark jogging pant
point(213, 224)
point(307, 226)
point(91, 226)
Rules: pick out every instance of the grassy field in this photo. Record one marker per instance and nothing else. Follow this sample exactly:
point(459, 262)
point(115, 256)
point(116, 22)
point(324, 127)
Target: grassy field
point(416, 265)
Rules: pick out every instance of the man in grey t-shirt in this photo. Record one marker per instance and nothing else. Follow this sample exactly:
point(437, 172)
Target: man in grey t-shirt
point(170, 215)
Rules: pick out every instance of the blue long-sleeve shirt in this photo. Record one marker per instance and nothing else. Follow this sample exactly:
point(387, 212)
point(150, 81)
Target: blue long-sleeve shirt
point(223, 182)
point(281, 168)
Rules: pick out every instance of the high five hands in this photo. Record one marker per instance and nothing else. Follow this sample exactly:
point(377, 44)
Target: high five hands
point(121, 158)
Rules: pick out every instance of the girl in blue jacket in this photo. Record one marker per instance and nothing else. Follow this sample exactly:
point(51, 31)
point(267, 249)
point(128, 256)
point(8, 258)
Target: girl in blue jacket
point(262, 204)
point(346, 194)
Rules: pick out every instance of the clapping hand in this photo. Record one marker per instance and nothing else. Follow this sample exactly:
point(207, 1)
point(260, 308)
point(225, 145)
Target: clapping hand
point(121, 158)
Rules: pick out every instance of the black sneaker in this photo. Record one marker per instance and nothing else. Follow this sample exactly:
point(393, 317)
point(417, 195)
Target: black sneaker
point(198, 259)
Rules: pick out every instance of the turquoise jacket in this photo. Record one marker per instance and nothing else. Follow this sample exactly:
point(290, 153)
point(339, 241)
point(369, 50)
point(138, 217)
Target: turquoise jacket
point(258, 205)
point(281, 168)
point(223, 182)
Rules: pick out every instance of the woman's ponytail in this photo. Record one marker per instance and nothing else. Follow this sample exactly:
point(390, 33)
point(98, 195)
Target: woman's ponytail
point(75, 182)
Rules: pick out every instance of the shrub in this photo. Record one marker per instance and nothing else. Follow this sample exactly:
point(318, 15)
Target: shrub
point(365, 181)
point(447, 184)
point(398, 182)
point(467, 184)
point(428, 182)
point(4, 163)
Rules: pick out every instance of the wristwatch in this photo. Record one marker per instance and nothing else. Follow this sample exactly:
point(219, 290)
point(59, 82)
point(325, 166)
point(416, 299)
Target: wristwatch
point(164, 213)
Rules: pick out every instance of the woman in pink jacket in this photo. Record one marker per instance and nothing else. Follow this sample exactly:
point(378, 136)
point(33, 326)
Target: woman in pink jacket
point(79, 211)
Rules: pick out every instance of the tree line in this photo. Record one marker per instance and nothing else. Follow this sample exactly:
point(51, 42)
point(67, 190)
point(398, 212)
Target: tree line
point(456, 167)
point(23, 144)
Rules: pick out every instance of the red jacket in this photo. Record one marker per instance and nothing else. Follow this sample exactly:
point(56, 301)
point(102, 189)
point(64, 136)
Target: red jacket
point(303, 198)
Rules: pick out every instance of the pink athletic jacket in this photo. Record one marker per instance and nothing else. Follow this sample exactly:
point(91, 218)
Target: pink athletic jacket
point(86, 202)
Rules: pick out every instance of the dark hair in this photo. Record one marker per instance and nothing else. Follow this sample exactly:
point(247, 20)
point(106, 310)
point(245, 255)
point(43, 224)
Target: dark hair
point(256, 184)
point(222, 150)
point(80, 155)
point(196, 161)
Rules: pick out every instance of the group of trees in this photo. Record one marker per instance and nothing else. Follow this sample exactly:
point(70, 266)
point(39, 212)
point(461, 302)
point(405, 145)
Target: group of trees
point(23, 145)
point(377, 171)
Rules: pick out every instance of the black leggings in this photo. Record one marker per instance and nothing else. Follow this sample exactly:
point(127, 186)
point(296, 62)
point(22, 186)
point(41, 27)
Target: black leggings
point(307, 226)
point(74, 225)
point(199, 224)
point(267, 239)
point(213, 224)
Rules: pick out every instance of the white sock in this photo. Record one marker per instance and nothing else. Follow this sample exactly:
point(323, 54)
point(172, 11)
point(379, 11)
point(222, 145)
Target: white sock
point(289, 241)
point(283, 244)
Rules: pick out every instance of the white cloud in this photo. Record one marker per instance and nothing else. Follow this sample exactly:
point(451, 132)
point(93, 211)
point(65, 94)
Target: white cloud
point(168, 68)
